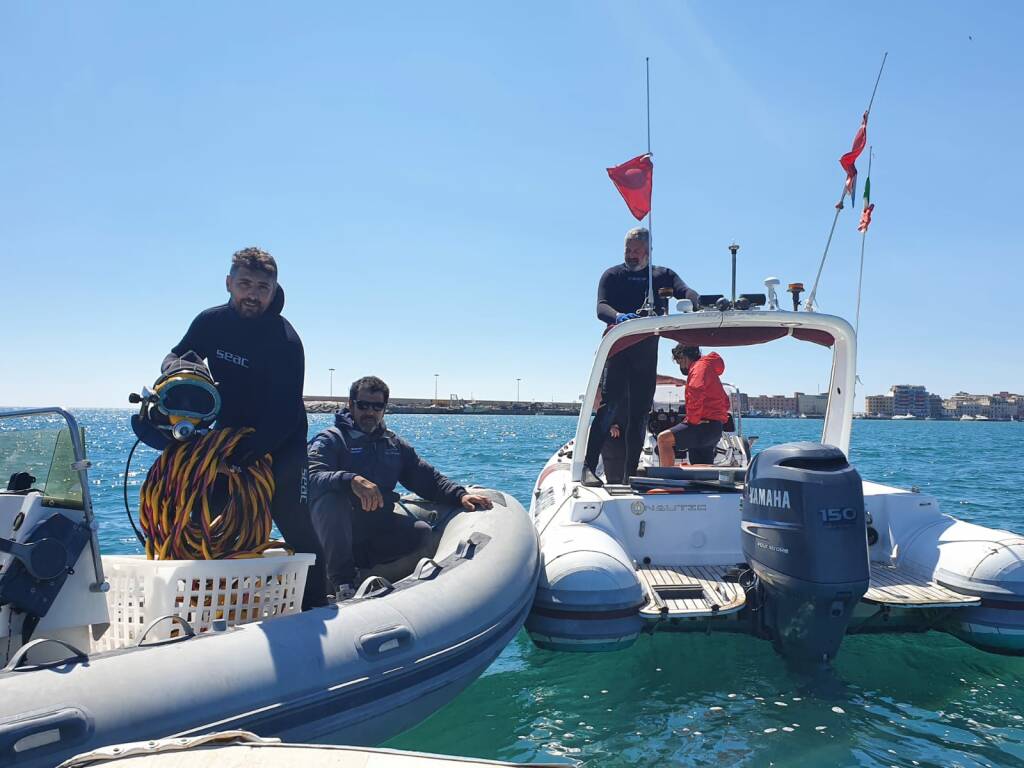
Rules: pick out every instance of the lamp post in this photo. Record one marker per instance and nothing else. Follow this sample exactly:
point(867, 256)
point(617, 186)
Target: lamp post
point(435, 389)
point(332, 381)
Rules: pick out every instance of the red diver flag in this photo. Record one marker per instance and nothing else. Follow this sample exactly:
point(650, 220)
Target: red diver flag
point(634, 179)
point(848, 160)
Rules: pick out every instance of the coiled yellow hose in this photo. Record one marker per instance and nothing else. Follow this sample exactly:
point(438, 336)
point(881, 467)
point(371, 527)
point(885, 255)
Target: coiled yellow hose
point(175, 502)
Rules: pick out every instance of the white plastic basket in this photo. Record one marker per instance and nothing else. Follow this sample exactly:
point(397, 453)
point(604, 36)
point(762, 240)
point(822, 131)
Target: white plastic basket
point(199, 591)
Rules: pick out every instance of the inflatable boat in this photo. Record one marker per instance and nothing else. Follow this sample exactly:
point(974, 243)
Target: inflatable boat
point(356, 672)
point(252, 751)
point(791, 545)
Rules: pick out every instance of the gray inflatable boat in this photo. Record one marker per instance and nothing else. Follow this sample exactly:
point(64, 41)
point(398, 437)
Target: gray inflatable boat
point(353, 673)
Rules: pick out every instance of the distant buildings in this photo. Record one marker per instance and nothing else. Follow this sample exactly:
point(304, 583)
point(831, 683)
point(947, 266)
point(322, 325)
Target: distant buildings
point(799, 404)
point(915, 400)
point(903, 401)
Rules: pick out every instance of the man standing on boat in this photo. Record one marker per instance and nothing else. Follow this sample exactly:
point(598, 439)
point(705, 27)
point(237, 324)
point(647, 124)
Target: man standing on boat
point(631, 375)
point(257, 360)
point(707, 408)
point(354, 467)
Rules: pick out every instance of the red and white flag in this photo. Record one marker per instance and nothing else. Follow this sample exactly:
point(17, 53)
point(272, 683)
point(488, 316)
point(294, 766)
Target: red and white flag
point(848, 160)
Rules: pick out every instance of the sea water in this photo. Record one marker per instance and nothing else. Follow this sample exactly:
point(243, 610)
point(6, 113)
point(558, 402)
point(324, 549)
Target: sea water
point(906, 700)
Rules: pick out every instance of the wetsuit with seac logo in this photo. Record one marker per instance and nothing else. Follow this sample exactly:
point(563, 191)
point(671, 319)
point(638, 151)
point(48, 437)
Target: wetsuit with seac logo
point(631, 375)
point(259, 366)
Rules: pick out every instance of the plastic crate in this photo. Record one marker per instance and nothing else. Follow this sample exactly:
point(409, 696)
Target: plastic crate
point(199, 591)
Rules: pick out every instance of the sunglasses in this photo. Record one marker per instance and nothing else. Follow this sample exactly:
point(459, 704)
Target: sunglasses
point(365, 405)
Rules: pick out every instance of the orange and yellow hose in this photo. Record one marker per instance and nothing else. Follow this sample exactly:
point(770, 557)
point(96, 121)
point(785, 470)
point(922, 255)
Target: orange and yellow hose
point(177, 512)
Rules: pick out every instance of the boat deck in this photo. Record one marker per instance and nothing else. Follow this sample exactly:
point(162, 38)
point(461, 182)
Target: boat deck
point(689, 591)
point(891, 585)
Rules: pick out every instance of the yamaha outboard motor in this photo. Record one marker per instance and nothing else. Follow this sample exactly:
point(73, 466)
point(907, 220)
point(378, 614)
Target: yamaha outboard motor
point(805, 537)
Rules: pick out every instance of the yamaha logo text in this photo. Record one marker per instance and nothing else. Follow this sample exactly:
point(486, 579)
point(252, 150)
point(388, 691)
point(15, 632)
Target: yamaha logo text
point(770, 497)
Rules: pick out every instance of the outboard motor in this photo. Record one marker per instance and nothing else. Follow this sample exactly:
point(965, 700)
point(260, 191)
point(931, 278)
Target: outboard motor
point(805, 537)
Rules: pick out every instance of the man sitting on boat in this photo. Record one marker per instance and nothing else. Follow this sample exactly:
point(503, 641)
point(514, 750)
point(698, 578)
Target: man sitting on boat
point(354, 467)
point(630, 379)
point(707, 408)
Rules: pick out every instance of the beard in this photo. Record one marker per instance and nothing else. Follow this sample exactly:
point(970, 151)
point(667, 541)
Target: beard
point(635, 266)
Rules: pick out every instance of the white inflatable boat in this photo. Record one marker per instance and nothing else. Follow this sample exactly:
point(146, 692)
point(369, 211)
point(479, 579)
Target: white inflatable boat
point(353, 673)
point(235, 748)
point(790, 545)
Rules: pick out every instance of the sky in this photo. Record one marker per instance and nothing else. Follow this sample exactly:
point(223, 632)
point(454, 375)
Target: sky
point(431, 179)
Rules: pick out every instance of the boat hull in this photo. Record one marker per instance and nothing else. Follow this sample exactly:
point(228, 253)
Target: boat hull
point(358, 673)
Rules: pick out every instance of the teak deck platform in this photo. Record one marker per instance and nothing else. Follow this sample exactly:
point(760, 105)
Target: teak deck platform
point(701, 589)
point(891, 585)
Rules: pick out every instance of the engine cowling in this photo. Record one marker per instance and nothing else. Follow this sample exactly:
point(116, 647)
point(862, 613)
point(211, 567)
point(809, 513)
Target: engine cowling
point(804, 535)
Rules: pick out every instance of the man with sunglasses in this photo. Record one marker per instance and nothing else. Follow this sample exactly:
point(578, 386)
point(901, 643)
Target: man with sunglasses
point(257, 360)
point(354, 467)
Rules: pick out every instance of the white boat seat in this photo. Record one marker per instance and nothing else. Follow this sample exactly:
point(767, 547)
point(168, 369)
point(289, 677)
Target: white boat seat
point(696, 472)
point(689, 591)
point(894, 586)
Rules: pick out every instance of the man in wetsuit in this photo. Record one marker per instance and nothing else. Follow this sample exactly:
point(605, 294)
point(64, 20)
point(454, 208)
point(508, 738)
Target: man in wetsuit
point(353, 469)
point(631, 375)
point(257, 360)
point(707, 408)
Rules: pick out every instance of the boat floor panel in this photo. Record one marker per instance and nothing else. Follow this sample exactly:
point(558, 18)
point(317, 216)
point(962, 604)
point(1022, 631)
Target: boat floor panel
point(706, 591)
point(892, 585)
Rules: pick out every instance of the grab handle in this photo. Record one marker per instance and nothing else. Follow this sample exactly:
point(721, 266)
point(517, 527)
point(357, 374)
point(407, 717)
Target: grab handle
point(21, 653)
point(374, 586)
point(386, 640)
point(37, 733)
point(427, 568)
point(172, 617)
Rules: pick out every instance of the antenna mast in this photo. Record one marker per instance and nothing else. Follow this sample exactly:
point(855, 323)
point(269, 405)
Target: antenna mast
point(649, 303)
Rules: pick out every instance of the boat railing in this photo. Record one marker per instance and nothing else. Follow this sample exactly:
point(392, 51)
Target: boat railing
point(80, 465)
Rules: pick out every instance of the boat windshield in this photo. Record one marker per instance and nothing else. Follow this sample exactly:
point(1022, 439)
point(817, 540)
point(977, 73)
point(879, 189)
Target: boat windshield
point(48, 455)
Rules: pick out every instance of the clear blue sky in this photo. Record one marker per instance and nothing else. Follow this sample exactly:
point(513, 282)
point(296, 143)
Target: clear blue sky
point(430, 177)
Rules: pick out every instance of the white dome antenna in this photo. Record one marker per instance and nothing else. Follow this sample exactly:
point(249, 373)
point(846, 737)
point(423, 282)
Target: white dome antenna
point(770, 283)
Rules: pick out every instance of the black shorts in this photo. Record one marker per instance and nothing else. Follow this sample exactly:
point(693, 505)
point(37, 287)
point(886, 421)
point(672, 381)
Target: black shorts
point(699, 440)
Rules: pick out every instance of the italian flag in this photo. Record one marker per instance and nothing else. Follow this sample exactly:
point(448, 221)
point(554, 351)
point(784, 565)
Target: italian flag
point(865, 216)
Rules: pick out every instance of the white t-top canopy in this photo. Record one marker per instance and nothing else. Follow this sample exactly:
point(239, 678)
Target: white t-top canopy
point(737, 328)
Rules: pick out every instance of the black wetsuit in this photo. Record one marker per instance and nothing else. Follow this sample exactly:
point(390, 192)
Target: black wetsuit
point(351, 537)
point(631, 375)
point(259, 366)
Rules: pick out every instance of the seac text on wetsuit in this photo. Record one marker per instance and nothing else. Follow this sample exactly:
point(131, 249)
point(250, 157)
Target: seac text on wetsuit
point(259, 365)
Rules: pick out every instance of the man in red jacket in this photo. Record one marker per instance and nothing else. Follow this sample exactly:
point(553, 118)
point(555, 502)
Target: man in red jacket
point(707, 408)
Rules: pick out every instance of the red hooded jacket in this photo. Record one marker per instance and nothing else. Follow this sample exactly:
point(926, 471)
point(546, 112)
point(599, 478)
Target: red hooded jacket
point(705, 398)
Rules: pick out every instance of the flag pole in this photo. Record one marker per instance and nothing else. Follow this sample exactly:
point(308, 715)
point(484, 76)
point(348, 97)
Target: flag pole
point(649, 304)
point(809, 305)
point(863, 239)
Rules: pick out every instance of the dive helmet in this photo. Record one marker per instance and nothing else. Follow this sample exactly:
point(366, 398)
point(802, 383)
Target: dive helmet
point(182, 402)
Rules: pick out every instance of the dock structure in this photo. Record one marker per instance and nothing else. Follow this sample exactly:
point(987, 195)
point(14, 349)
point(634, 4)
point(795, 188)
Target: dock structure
point(452, 405)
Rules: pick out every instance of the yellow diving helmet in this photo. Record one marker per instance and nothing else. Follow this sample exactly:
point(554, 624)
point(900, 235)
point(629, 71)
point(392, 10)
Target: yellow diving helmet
point(182, 402)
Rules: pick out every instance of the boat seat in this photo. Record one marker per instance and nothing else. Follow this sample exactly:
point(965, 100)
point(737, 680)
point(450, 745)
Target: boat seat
point(897, 587)
point(696, 472)
point(689, 591)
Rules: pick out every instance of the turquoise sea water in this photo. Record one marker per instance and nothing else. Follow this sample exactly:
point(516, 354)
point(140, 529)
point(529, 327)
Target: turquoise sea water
point(912, 700)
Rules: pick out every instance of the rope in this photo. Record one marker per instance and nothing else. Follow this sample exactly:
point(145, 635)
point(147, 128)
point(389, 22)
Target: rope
point(182, 509)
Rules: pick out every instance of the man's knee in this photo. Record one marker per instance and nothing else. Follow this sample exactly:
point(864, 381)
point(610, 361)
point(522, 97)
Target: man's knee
point(667, 439)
